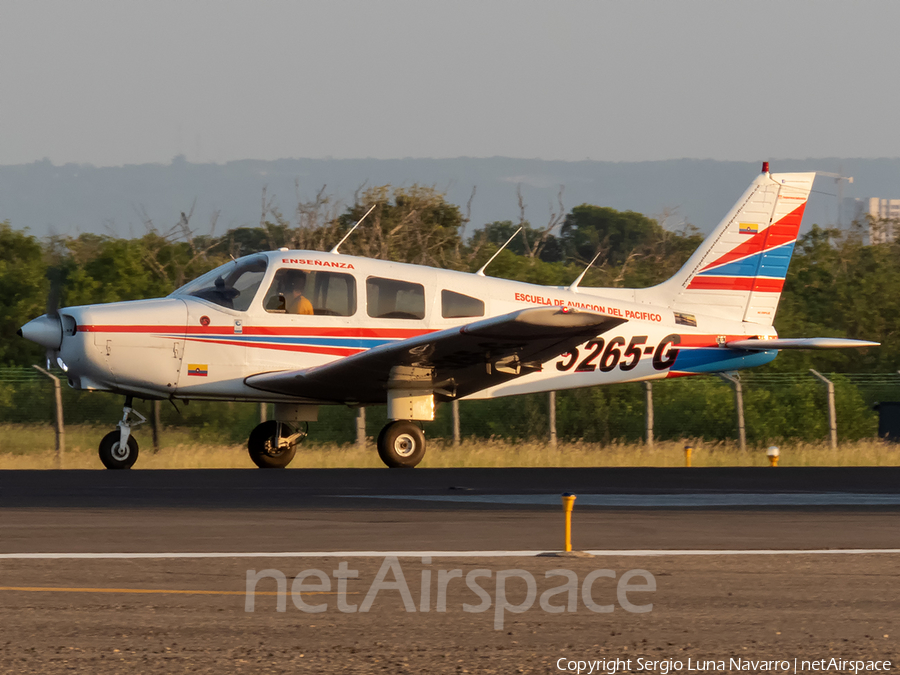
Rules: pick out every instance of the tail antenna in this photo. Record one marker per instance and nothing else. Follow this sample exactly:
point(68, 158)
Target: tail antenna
point(483, 267)
point(355, 225)
point(574, 287)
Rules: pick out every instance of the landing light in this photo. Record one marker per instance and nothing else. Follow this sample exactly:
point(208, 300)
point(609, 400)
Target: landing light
point(62, 364)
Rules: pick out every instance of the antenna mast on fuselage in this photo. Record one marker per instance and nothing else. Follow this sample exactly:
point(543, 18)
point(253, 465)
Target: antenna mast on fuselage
point(355, 225)
point(574, 287)
point(481, 271)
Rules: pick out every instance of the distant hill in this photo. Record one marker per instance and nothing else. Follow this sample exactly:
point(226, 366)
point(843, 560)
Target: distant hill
point(81, 198)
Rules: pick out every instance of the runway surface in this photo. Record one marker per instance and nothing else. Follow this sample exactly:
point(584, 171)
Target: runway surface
point(747, 563)
point(448, 509)
point(252, 487)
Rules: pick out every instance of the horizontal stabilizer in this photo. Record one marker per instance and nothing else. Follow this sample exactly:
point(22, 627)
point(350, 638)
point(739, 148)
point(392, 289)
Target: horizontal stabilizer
point(800, 343)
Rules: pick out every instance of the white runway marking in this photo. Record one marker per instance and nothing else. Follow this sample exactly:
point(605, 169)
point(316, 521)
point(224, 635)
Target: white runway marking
point(438, 554)
point(668, 500)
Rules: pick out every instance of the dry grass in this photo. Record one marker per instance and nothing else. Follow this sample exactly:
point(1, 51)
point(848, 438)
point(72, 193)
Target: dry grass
point(31, 447)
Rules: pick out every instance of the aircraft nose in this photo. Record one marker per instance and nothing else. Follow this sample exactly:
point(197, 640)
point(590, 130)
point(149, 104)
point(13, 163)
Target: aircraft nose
point(45, 330)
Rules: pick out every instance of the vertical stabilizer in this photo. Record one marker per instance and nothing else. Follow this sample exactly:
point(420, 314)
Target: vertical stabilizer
point(739, 270)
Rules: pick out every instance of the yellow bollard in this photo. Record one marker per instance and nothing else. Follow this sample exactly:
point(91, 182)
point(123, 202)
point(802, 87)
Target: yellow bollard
point(687, 455)
point(568, 501)
point(773, 453)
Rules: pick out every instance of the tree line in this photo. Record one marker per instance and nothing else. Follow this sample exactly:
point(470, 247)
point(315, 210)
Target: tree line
point(838, 283)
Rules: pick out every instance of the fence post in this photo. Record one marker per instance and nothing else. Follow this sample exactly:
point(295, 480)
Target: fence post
point(60, 426)
point(263, 412)
point(361, 428)
point(648, 412)
point(156, 424)
point(832, 412)
point(551, 404)
point(739, 406)
point(456, 438)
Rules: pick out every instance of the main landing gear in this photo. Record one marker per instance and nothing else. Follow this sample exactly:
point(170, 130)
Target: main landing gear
point(119, 449)
point(401, 444)
point(272, 444)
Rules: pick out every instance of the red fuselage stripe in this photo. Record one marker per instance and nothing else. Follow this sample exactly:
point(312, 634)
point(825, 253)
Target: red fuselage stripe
point(262, 330)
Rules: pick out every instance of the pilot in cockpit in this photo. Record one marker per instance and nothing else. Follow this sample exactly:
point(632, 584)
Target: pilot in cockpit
point(293, 285)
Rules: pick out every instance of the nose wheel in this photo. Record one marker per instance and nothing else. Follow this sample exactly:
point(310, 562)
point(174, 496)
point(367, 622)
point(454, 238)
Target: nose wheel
point(401, 445)
point(119, 449)
point(272, 444)
point(116, 455)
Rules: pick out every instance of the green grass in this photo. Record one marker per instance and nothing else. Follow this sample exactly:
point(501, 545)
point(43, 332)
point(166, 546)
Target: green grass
point(32, 447)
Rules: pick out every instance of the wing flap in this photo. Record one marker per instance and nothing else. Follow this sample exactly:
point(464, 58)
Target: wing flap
point(454, 362)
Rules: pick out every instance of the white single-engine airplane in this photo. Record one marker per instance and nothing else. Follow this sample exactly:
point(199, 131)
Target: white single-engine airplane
point(302, 329)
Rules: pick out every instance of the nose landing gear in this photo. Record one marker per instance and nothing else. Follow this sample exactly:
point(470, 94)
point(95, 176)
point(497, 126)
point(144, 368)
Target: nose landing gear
point(119, 449)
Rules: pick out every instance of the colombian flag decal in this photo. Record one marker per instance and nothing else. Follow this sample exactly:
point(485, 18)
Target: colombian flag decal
point(749, 228)
point(198, 369)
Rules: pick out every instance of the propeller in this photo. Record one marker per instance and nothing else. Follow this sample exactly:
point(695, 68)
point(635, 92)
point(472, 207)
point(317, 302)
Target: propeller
point(54, 295)
point(46, 330)
point(57, 277)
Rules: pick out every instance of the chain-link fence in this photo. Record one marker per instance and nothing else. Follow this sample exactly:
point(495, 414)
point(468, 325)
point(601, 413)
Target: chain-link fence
point(775, 406)
point(788, 406)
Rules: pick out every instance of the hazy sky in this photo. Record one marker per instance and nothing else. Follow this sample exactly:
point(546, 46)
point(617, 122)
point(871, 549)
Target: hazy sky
point(118, 82)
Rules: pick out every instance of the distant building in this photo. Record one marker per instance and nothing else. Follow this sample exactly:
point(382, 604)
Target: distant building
point(883, 216)
point(882, 208)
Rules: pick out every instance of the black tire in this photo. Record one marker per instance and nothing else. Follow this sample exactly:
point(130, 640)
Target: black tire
point(263, 446)
point(115, 458)
point(401, 445)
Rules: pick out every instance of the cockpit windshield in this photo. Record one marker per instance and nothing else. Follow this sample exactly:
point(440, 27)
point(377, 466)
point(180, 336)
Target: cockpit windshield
point(233, 285)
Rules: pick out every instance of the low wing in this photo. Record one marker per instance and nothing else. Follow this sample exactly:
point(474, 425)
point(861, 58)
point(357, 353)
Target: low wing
point(452, 363)
point(800, 343)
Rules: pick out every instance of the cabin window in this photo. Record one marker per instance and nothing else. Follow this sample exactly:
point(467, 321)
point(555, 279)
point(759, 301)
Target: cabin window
point(458, 306)
point(233, 285)
point(393, 299)
point(317, 293)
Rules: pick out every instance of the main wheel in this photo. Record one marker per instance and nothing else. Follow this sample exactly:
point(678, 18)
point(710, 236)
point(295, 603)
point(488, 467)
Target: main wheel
point(401, 445)
point(113, 455)
point(264, 448)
